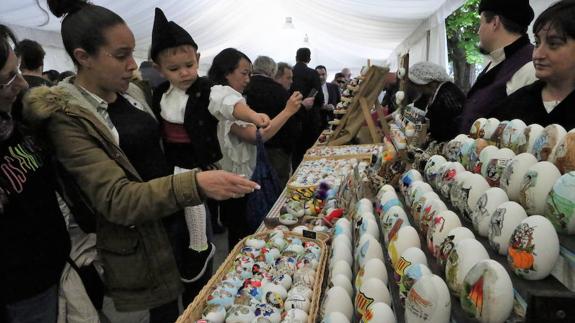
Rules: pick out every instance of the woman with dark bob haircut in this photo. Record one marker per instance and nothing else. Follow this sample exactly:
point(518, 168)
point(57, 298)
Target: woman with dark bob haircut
point(550, 99)
point(107, 142)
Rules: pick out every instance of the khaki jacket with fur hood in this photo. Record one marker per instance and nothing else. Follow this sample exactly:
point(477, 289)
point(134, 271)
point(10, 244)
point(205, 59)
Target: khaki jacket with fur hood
point(139, 268)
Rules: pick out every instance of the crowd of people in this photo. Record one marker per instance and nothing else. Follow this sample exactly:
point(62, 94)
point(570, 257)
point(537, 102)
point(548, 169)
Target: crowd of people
point(110, 176)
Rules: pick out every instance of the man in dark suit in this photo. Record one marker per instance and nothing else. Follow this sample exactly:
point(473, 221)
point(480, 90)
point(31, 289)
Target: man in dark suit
point(331, 96)
point(304, 80)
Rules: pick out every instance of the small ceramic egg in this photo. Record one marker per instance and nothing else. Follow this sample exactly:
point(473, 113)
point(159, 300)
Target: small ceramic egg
point(364, 205)
point(455, 191)
point(428, 301)
point(214, 313)
point(301, 290)
point(476, 127)
point(513, 173)
point(496, 165)
point(490, 128)
point(300, 229)
point(370, 249)
point(533, 248)
point(295, 315)
point(255, 243)
point(532, 132)
point(240, 314)
point(267, 313)
point(406, 237)
point(341, 267)
point(432, 167)
point(560, 205)
point(373, 268)
point(372, 290)
point(564, 155)
point(293, 249)
point(411, 275)
point(448, 177)
point(503, 222)
point(335, 317)
point(441, 224)
point(408, 178)
point(484, 208)
point(272, 288)
point(416, 191)
point(487, 292)
point(514, 135)
point(417, 208)
point(428, 211)
point(484, 157)
point(472, 188)
point(297, 301)
point(394, 218)
point(536, 185)
point(547, 141)
point(462, 258)
point(409, 256)
point(378, 312)
point(342, 281)
point(336, 300)
point(284, 280)
point(448, 244)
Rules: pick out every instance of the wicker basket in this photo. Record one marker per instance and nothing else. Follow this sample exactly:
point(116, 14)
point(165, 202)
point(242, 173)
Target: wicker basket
point(195, 309)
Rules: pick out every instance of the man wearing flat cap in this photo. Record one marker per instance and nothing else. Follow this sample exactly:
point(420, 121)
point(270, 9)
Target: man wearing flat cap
point(503, 37)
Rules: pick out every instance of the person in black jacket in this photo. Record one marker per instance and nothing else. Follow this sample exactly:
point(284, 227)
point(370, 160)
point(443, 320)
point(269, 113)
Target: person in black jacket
point(331, 96)
point(304, 80)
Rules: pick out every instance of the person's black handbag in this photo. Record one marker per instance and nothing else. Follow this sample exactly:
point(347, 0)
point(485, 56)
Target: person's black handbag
point(261, 201)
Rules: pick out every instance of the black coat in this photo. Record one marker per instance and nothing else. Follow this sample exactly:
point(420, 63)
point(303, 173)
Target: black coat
point(265, 95)
point(304, 80)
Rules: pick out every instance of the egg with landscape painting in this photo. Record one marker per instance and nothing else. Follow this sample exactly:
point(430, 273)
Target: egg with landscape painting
point(536, 185)
point(476, 127)
point(560, 205)
point(564, 155)
point(407, 179)
point(513, 173)
point(532, 132)
point(547, 141)
point(475, 150)
point(417, 191)
point(514, 135)
point(417, 208)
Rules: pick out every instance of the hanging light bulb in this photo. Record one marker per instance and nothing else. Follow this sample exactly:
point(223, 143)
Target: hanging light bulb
point(306, 39)
point(288, 24)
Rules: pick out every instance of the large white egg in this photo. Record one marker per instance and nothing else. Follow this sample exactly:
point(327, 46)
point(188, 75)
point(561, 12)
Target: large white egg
point(410, 276)
point(453, 237)
point(335, 317)
point(408, 178)
point(476, 127)
point(455, 191)
point(373, 268)
point(536, 185)
point(384, 189)
point(394, 219)
point(448, 177)
point(432, 167)
point(487, 292)
point(547, 141)
point(428, 301)
point(336, 300)
point(533, 248)
point(405, 238)
point(564, 155)
point(294, 315)
point(342, 281)
point(472, 188)
point(513, 173)
point(484, 157)
point(490, 128)
point(341, 239)
point(428, 211)
point(503, 222)
point(370, 249)
point(417, 208)
point(484, 208)
point(377, 313)
point(409, 256)
point(364, 205)
point(372, 290)
point(240, 314)
point(369, 226)
point(462, 258)
point(560, 205)
point(341, 254)
point(417, 191)
point(496, 165)
point(531, 133)
point(514, 135)
point(341, 267)
point(442, 223)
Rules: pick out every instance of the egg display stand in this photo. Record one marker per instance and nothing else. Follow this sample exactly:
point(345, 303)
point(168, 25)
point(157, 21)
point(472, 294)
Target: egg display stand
point(196, 308)
point(326, 149)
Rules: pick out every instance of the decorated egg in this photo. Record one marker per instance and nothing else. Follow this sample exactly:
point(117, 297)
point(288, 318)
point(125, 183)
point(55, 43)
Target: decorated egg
point(487, 292)
point(369, 226)
point(343, 268)
point(532, 132)
point(297, 301)
point(343, 227)
point(453, 149)
point(455, 191)
point(372, 290)
point(371, 248)
point(410, 256)
point(533, 248)
point(373, 268)
point(560, 205)
point(255, 243)
point(267, 313)
point(490, 128)
point(336, 300)
point(335, 317)
point(428, 301)
point(301, 290)
point(214, 313)
point(240, 314)
point(394, 219)
point(484, 208)
point(406, 237)
point(387, 201)
point(476, 149)
point(364, 205)
point(496, 136)
point(547, 141)
point(462, 258)
point(448, 176)
point(503, 222)
point(428, 211)
point(378, 312)
point(513, 173)
point(564, 155)
point(294, 315)
point(441, 224)
point(536, 185)
point(465, 152)
point(407, 179)
point(514, 135)
point(476, 127)
point(472, 188)
point(438, 179)
point(417, 208)
point(384, 189)
point(496, 164)
point(342, 281)
point(453, 237)
point(432, 167)
point(484, 157)
point(417, 191)
point(411, 275)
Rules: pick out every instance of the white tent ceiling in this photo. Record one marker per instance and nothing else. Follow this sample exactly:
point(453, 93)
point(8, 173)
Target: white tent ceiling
point(340, 33)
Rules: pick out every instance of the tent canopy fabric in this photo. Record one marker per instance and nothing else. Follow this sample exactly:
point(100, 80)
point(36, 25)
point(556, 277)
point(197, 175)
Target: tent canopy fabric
point(340, 33)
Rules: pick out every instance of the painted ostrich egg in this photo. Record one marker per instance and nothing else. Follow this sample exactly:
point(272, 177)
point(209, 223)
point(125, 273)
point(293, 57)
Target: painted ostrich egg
point(484, 208)
point(336, 300)
point(465, 152)
point(471, 190)
point(533, 248)
point(476, 150)
point(484, 157)
point(405, 238)
point(335, 317)
point(412, 274)
point(407, 179)
point(497, 135)
point(547, 141)
point(496, 165)
point(462, 258)
point(428, 301)
point(448, 176)
point(364, 205)
point(428, 211)
point(240, 314)
point(387, 201)
point(514, 135)
point(455, 191)
point(438, 179)
point(371, 248)
point(373, 268)
point(453, 237)
point(378, 312)
point(393, 219)
point(503, 222)
point(564, 155)
point(536, 185)
point(417, 207)
point(412, 255)
point(441, 224)
point(490, 128)
point(384, 189)
point(532, 132)
point(432, 167)
point(476, 127)
point(560, 206)
point(513, 173)
point(453, 147)
point(411, 191)
point(487, 292)
point(372, 290)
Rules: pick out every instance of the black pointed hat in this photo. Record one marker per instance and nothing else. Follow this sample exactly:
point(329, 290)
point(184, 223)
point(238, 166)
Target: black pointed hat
point(167, 34)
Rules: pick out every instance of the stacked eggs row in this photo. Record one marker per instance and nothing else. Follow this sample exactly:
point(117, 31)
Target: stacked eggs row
point(270, 279)
point(357, 274)
point(311, 172)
